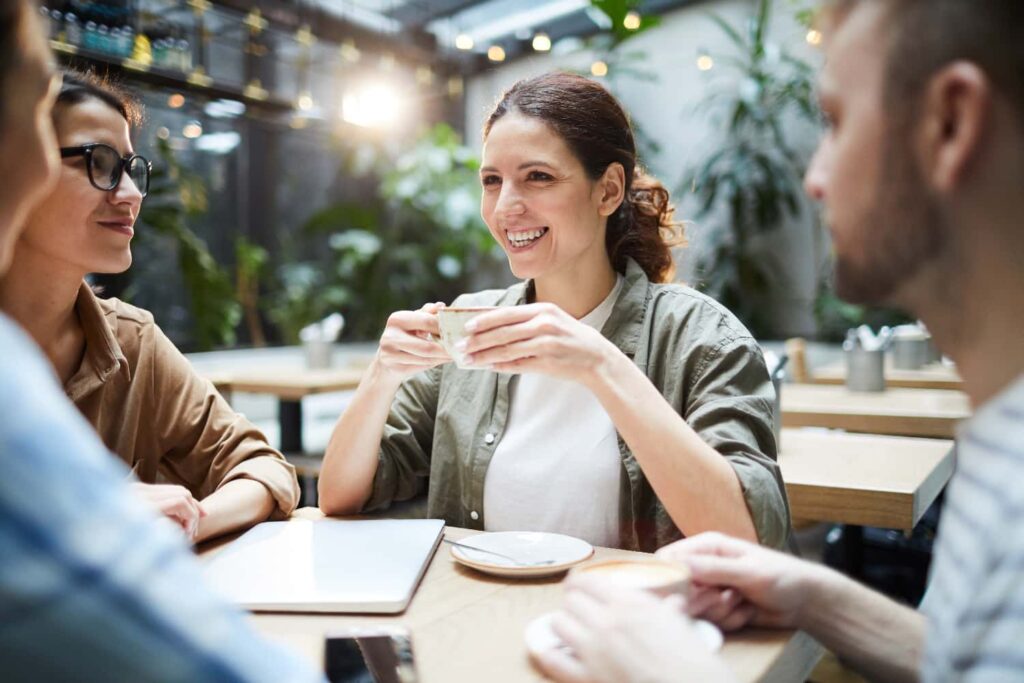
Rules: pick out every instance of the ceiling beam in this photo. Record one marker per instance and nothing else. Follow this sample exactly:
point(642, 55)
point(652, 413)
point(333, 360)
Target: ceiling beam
point(576, 24)
point(419, 13)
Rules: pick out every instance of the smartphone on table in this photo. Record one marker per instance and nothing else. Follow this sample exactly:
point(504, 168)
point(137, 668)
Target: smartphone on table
point(369, 655)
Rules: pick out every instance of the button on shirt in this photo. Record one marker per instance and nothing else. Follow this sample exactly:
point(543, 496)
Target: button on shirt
point(93, 587)
point(559, 448)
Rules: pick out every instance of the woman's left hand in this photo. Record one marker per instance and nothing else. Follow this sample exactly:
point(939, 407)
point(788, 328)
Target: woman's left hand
point(537, 338)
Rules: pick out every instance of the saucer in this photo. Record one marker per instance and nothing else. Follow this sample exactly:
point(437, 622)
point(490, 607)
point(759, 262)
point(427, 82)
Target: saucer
point(526, 547)
point(540, 636)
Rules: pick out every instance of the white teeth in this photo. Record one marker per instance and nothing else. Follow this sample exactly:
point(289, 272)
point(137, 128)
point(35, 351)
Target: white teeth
point(524, 237)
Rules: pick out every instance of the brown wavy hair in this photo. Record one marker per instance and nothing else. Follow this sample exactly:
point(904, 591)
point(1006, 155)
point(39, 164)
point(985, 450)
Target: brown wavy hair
point(597, 130)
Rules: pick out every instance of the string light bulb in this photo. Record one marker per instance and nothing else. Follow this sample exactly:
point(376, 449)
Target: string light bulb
point(496, 53)
point(599, 68)
point(814, 37)
point(542, 42)
point(631, 20)
point(464, 41)
point(705, 63)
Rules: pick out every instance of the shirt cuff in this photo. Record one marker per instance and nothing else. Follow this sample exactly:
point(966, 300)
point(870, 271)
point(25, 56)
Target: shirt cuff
point(768, 507)
point(274, 473)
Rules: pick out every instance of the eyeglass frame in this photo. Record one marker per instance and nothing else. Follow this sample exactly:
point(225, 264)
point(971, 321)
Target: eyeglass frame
point(126, 161)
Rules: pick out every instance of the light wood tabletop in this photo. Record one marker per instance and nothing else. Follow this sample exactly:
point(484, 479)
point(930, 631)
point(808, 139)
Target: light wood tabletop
point(932, 376)
point(468, 626)
point(868, 480)
point(288, 384)
point(930, 413)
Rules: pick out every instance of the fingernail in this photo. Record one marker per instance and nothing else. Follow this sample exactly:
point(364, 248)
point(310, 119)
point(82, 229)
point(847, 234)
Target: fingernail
point(461, 345)
point(470, 326)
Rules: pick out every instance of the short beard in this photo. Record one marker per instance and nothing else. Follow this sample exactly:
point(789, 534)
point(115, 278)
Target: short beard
point(902, 232)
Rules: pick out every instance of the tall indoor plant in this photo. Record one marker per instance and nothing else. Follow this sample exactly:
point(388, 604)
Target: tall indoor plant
point(750, 182)
point(421, 238)
point(176, 196)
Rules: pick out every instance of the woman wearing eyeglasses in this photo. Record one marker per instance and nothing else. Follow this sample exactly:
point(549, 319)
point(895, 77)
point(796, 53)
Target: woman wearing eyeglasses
point(198, 462)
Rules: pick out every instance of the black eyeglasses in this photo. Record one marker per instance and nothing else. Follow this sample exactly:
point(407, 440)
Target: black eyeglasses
point(106, 167)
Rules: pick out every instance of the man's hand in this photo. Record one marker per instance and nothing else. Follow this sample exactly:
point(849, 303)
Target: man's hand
point(622, 635)
point(737, 583)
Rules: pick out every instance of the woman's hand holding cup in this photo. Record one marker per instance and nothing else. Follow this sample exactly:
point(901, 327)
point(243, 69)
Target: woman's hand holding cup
point(409, 344)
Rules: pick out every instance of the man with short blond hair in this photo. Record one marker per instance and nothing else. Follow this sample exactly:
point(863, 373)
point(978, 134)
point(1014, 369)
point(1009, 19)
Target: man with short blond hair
point(921, 174)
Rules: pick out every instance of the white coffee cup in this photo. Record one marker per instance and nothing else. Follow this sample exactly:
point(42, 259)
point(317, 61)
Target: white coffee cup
point(655, 576)
point(452, 322)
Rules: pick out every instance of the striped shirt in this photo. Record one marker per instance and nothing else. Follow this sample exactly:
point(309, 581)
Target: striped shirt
point(92, 586)
point(975, 602)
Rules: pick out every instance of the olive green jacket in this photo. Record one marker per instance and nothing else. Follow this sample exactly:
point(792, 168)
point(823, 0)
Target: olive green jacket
point(445, 422)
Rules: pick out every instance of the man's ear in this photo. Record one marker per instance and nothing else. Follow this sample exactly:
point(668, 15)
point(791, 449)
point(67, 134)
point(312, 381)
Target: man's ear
point(956, 113)
point(611, 189)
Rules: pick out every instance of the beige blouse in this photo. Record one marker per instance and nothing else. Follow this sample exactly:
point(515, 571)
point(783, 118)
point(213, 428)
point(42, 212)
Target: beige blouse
point(154, 411)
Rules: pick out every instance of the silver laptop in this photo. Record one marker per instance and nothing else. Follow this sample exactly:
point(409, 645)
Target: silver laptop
point(326, 566)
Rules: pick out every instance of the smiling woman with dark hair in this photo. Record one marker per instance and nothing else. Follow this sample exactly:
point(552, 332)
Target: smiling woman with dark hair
point(621, 409)
point(200, 463)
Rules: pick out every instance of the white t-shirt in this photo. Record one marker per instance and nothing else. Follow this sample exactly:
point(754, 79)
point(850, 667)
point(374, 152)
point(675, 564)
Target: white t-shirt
point(557, 467)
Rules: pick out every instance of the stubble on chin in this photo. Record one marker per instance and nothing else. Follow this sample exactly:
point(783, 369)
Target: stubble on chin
point(901, 233)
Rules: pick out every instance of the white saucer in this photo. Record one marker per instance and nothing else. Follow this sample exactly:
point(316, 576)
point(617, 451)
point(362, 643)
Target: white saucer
point(523, 546)
point(540, 636)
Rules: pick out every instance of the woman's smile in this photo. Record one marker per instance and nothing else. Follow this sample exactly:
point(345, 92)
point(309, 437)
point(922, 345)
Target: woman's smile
point(522, 239)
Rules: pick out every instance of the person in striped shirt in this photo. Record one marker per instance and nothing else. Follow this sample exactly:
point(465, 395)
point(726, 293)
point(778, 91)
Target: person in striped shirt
point(920, 173)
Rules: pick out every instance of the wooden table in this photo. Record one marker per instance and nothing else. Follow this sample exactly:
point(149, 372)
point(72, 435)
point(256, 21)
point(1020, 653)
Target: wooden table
point(860, 479)
point(932, 376)
point(900, 412)
point(468, 626)
point(289, 386)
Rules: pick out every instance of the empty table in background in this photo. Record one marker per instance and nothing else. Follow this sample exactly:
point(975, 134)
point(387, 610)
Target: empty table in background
point(289, 386)
point(900, 412)
point(863, 479)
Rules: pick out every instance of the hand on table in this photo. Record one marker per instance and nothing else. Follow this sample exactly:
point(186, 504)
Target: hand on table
point(621, 635)
point(174, 502)
point(737, 583)
point(536, 338)
point(409, 343)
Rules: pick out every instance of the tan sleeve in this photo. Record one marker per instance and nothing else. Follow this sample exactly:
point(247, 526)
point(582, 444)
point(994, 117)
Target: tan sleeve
point(205, 443)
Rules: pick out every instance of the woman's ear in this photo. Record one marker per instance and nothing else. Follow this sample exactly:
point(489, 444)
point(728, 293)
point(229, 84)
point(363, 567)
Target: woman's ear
point(611, 189)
